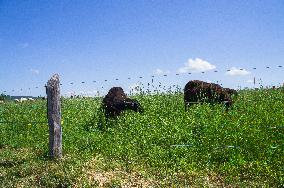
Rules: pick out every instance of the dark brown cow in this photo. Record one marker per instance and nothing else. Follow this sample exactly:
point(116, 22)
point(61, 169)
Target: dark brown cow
point(197, 91)
point(116, 101)
point(230, 91)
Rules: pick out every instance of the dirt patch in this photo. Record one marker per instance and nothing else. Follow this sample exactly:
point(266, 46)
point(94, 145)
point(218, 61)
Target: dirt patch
point(115, 177)
point(123, 179)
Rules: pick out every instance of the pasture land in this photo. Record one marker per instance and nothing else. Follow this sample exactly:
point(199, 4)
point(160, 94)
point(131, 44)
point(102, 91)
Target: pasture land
point(163, 147)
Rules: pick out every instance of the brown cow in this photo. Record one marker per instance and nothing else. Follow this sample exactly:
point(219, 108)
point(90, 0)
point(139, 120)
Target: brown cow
point(197, 91)
point(231, 91)
point(116, 101)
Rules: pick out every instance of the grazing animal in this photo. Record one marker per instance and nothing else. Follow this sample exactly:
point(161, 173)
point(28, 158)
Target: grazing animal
point(23, 99)
point(231, 91)
point(116, 101)
point(16, 100)
point(197, 91)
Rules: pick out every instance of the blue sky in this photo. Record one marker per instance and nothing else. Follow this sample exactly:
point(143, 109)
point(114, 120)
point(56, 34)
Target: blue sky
point(86, 41)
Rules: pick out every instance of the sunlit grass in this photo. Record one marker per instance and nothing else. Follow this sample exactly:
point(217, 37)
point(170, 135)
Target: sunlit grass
point(164, 146)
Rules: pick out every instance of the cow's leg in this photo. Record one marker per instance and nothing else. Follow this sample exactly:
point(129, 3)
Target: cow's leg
point(186, 105)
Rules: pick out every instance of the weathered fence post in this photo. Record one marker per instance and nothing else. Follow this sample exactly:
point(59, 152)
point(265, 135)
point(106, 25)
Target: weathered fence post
point(54, 117)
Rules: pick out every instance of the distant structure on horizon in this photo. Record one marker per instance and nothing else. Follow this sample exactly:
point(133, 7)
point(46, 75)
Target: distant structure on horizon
point(19, 97)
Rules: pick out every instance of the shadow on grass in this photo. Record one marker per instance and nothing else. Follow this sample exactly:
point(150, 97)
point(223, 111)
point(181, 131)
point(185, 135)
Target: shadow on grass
point(10, 164)
point(99, 122)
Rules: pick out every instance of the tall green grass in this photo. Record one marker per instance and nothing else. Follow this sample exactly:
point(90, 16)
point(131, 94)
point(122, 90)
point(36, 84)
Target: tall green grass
point(204, 146)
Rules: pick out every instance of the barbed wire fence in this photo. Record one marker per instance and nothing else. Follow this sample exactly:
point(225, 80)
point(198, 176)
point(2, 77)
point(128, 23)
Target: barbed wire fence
point(102, 84)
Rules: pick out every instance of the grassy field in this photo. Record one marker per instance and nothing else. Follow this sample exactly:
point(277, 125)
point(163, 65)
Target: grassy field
point(163, 147)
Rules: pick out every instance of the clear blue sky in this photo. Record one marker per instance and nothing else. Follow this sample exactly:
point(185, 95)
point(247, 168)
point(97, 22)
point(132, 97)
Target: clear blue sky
point(105, 40)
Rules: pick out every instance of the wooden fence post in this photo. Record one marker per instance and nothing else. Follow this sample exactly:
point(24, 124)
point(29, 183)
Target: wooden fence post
point(54, 117)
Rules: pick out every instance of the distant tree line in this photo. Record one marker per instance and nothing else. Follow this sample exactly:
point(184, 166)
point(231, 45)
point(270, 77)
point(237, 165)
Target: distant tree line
point(4, 97)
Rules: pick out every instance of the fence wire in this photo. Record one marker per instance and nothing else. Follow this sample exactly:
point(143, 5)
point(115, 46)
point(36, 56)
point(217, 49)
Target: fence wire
point(102, 81)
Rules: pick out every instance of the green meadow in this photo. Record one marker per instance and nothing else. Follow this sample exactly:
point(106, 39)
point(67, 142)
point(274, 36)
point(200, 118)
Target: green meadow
point(162, 147)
